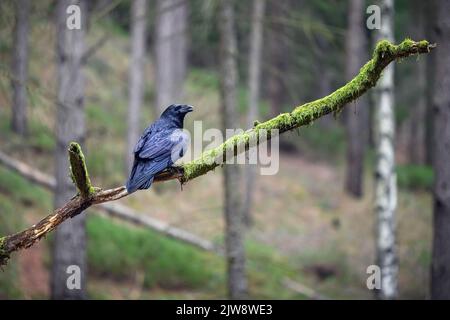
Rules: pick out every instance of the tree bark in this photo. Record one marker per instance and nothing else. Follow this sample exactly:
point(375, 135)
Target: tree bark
point(254, 84)
point(70, 239)
point(20, 67)
point(171, 51)
point(237, 281)
point(431, 64)
point(417, 142)
point(356, 121)
point(277, 57)
point(385, 177)
point(136, 75)
point(324, 76)
point(440, 272)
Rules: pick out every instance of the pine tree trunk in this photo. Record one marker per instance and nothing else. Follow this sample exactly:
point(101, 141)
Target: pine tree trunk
point(277, 57)
point(20, 67)
point(70, 238)
point(417, 132)
point(431, 64)
point(324, 77)
point(171, 51)
point(356, 119)
point(254, 81)
point(136, 75)
point(440, 272)
point(237, 282)
point(385, 177)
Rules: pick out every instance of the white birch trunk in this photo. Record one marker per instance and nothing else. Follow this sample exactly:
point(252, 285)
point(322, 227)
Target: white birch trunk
point(385, 177)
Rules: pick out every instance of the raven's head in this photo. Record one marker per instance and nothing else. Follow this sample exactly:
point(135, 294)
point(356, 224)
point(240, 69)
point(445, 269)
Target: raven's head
point(176, 113)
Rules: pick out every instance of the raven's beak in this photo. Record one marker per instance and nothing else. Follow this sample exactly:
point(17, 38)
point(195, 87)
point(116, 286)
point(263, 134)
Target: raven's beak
point(188, 108)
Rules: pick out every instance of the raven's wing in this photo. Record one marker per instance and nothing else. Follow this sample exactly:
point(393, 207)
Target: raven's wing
point(161, 143)
point(147, 132)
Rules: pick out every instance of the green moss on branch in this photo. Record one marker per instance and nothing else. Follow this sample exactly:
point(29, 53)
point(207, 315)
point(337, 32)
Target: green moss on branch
point(384, 53)
point(79, 172)
point(4, 255)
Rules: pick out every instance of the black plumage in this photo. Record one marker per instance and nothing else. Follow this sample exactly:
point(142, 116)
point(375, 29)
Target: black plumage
point(161, 144)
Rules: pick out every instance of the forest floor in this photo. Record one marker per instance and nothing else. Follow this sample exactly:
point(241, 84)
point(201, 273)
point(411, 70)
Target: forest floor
point(305, 227)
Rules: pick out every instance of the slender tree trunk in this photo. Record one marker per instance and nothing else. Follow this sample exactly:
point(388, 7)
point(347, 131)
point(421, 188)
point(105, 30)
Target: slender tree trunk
point(416, 145)
point(171, 51)
point(324, 77)
point(277, 57)
point(70, 238)
point(357, 119)
point(385, 177)
point(136, 74)
point(254, 81)
point(237, 282)
point(20, 67)
point(440, 272)
point(430, 35)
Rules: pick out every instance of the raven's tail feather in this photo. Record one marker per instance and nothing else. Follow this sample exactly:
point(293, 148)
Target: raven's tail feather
point(141, 176)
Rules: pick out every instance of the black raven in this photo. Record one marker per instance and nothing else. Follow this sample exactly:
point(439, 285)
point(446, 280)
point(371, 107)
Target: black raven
point(161, 144)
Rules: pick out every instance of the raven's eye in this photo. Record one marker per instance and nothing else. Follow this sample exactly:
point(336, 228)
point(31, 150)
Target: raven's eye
point(177, 108)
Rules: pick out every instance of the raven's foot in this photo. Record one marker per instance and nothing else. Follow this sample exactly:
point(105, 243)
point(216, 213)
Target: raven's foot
point(177, 172)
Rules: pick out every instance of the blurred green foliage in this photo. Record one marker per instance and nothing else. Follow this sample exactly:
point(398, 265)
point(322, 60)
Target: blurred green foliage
point(17, 196)
point(119, 251)
point(204, 79)
point(266, 271)
point(9, 282)
point(17, 190)
point(10, 221)
point(415, 177)
point(41, 137)
point(326, 142)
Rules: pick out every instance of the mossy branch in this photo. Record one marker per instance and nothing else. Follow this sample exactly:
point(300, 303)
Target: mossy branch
point(78, 170)
point(384, 53)
point(367, 77)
